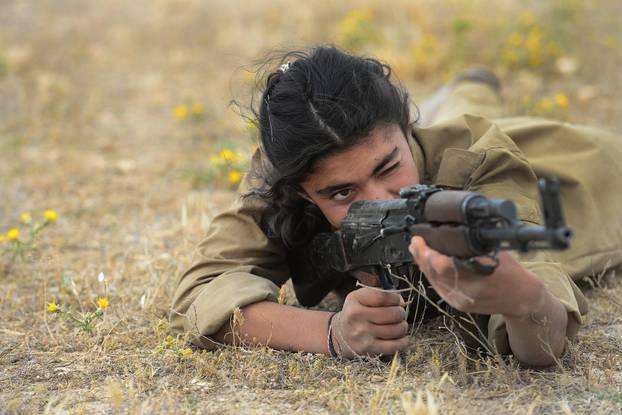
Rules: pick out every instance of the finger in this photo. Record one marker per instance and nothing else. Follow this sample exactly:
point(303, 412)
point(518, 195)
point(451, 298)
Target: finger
point(385, 315)
point(375, 298)
point(431, 262)
point(421, 251)
point(414, 247)
point(387, 347)
point(389, 331)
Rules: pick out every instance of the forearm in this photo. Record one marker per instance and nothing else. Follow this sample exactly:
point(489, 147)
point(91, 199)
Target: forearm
point(281, 327)
point(539, 338)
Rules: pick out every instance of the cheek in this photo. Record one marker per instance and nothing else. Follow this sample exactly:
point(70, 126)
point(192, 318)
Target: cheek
point(333, 213)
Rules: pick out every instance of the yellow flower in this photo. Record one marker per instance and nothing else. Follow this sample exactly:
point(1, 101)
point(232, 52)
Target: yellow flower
point(12, 234)
point(251, 125)
point(544, 105)
point(187, 352)
point(170, 340)
point(50, 215)
point(352, 22)
point(103, 303)
point(448, 76)
point(25, 217)
point(611, 42)
point(357, 29)
point(1, 238)
point(197, 109)
point(562, 100)
point(429, 42)
point(534, 60)
point(227, 155)
point(181, 112)
point(249, 76)
point(216, 160)
point(426, 53)
point(527, 19)
point(235, 176)
point(53, 307)
point(516, 39)
point(421, 57)
point(533, 42)
point(554, 49)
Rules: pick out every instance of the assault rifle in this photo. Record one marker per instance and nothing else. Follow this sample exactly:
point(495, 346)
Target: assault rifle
point(375, 235)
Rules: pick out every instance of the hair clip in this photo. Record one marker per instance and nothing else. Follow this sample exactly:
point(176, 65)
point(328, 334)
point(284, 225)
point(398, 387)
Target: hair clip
point(285, 67)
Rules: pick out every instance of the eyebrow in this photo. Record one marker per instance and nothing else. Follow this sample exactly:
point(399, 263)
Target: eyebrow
point(381, 164)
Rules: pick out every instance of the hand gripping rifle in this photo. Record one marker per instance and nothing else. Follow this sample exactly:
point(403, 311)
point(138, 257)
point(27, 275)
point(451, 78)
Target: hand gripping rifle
point(375, 235)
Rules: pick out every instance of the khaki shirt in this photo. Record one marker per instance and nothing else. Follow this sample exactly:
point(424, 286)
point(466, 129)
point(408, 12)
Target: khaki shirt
point(236, 264)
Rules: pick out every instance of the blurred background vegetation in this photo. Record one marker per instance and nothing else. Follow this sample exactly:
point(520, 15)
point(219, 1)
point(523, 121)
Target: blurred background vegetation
point(116, 116)
point(91, 74)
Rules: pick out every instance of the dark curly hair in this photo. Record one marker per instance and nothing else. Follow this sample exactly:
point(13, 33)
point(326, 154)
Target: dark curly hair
point(317, 103)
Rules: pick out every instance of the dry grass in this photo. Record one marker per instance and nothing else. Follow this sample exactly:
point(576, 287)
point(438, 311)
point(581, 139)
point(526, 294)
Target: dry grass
point(87, 92)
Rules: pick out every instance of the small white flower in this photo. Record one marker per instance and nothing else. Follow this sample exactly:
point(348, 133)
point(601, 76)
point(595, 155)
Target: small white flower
point(101, 277)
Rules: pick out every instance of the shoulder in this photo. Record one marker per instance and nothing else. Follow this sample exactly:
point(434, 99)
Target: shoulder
point(459, 145)
point(473, 153)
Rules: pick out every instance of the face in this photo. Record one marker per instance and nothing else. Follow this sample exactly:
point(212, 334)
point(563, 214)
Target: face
point(376, 168)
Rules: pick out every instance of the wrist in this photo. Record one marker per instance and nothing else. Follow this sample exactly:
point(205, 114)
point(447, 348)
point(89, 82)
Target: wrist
point(532, 299)
point(330, 343)
point(337, 339)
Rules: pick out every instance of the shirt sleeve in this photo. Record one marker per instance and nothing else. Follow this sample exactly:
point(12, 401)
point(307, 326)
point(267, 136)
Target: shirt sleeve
point(486, 160)
point(561, 286)
point(234, 266)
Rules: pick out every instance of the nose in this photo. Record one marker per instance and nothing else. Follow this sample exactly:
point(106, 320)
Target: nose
point(381, 193)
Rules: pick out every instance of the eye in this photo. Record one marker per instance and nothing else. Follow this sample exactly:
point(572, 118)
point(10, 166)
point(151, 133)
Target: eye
point(390, 169)
point(342, 195)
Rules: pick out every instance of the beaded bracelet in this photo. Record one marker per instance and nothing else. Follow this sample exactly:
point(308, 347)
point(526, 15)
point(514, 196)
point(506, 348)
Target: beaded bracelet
point(331, 346)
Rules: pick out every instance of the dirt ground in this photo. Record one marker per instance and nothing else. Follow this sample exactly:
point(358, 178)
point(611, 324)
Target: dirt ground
point(92, 125)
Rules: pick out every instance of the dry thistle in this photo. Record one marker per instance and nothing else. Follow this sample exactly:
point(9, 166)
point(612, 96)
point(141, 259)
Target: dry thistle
point(381, 395)
point(238, 317)
point(116, 394)
point(419, 407)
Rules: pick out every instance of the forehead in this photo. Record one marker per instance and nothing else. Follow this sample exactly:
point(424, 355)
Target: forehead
point(357, 161)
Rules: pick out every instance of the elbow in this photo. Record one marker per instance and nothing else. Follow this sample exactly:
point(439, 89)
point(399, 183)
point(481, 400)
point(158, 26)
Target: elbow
point(540, 361)
point(544, 354)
